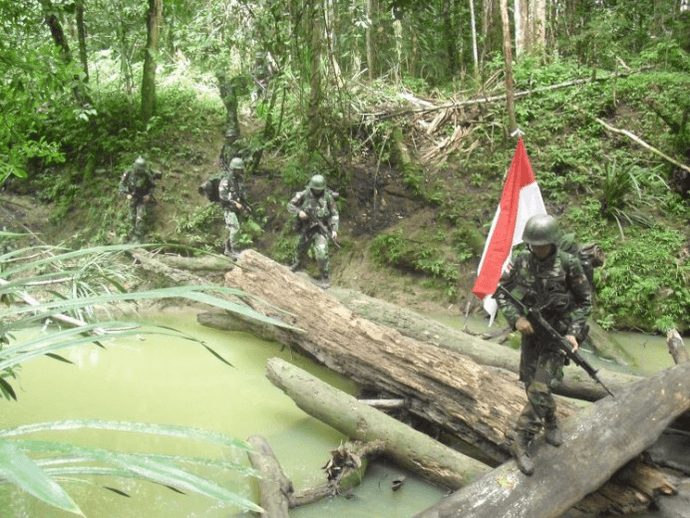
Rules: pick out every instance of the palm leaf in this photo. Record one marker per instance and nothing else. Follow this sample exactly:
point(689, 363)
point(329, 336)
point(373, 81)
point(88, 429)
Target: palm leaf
point(22, 471)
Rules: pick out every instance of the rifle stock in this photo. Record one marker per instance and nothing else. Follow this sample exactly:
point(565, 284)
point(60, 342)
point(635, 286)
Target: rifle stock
point(536, 318)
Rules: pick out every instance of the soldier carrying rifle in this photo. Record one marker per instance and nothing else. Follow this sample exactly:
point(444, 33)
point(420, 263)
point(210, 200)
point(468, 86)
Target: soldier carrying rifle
point(316, 223)
point(552, 283)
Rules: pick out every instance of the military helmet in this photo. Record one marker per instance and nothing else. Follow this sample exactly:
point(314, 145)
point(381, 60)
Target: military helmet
point(237, 163)
point(140, 164)
point(317, 183)
point(541, 229)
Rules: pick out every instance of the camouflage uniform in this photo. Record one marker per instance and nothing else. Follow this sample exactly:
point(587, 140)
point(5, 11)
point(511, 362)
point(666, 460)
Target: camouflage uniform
point(323, 207)
point(557, 286)
point(138, 184)
point(231, 191)
point(229, 90)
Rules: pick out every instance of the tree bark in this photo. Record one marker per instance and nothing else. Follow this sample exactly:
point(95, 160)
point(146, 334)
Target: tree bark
point(508, 55)
point(411, 324)
point(622, 427)
point(148, 83)
point(410, 449)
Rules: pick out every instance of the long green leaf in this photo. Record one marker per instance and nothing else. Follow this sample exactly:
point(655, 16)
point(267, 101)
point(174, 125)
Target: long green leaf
point(168, 430)
point(22, 471)
point(169, 474)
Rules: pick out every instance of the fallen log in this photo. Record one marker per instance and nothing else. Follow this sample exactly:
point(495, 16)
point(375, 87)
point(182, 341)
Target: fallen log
point(449, 390)
point(416, 326)
point(410, 449)
point(598, 441)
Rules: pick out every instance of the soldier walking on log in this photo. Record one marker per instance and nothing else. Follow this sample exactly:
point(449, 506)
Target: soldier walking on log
point(551, 281)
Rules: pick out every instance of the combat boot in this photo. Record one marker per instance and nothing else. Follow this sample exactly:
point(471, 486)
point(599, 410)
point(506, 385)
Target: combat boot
point(520, 453)
point(230, 251)
point(296, 266)
point(324, 280)
point(553, 434)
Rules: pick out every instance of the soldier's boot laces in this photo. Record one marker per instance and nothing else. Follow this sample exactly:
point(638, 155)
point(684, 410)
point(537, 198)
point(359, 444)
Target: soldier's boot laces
point(553, 434)
point(521, 455)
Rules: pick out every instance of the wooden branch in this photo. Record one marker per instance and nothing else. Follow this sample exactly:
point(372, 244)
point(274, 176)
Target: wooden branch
point(676, 347)
point(274, 487)
point(642, 143)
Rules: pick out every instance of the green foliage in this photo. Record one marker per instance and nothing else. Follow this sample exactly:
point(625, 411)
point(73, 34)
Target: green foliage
point(644, 283)
point(78, 282)
point(393, 249)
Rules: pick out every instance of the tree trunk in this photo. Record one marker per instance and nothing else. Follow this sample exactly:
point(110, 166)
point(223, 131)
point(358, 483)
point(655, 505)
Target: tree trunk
point(81, 31)
point(370, 36)
point(508, 55)
point(315, 46)
point(445, 388)
point(622, 427)
point(148, 83)
point(416, 326)
point(473, 26)
point(410, 449)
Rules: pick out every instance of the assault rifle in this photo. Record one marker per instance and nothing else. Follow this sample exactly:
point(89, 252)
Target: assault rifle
point(536, 318)
point(316, 221)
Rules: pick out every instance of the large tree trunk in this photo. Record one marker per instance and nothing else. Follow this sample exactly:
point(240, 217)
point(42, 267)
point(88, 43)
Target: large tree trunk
point(412, 450)
point(508, 55)
point(484, 352)
point(597, 442)
point(447, 389)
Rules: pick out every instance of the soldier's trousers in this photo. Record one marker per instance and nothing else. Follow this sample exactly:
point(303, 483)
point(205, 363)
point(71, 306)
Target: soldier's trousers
point(138, 212)
point(541, 369)
point(320, 242)
point(233, 225)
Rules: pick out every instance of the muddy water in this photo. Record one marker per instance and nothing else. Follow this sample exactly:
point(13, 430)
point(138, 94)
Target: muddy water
point(174, 381)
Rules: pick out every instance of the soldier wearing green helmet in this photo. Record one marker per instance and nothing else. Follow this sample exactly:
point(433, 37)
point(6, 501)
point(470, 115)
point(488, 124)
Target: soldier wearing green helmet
point(232, 197)
point(137, 184)
point(551, 280)
point(317, 223)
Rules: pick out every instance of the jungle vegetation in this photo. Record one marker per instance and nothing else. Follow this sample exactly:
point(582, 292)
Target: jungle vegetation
point(432, 90)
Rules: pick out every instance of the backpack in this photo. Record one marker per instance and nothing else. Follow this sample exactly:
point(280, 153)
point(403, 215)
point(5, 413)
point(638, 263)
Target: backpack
point(209, 188)
point(591, 255)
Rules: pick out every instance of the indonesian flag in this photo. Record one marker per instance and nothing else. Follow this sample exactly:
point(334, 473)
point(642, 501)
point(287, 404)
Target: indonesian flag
point(521, 199)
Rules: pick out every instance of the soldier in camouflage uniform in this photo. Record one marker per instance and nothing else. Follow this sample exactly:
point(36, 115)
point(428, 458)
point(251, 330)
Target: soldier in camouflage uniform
point(137, 184)
point(232, 196)
point(229, 90)
point(547, 278)
point(312, 206)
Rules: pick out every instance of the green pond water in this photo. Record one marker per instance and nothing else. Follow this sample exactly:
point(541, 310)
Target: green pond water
point(175, 381)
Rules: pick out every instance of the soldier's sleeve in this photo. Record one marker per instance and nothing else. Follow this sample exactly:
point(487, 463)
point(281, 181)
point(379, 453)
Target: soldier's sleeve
point(295, 203)
point(124, 184)
point(582, 297)
point(509, 281)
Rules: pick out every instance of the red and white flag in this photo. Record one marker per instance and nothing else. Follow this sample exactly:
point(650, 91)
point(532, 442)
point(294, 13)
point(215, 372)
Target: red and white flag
point(521, 199)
